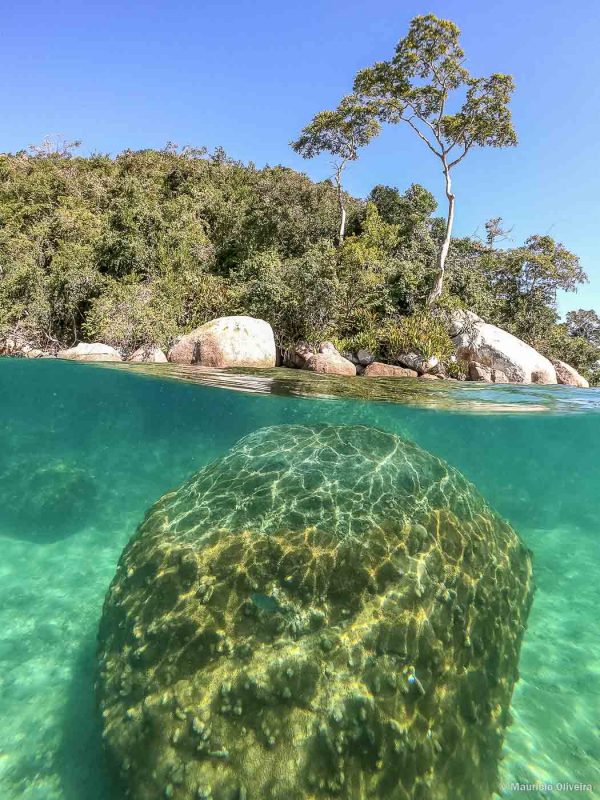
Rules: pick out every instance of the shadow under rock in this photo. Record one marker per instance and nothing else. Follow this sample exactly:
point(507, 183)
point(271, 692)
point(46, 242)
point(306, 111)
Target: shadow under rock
point(81, 762)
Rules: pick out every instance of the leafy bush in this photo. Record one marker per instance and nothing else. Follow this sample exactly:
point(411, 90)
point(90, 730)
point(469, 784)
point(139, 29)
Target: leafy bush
point(423, 333)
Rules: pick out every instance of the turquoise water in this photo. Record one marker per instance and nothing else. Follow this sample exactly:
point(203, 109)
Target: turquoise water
point(85, 450)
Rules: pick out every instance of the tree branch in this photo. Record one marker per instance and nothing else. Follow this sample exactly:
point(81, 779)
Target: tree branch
point(409, 120)
point(466, 149)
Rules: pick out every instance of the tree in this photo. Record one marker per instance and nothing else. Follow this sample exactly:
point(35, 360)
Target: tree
point(525, 281)
point(415, 87)
point(495, 230)
point(415, 205)
point(341, 132)
point(585, 324)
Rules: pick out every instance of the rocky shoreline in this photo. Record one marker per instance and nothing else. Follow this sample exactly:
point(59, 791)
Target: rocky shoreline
point(483, 353)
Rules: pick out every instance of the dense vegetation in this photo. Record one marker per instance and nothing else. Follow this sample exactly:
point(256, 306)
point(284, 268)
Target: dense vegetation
point(139, 248)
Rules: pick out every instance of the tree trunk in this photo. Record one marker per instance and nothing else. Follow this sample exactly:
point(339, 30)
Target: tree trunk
point(342, 207)
point(438, 285)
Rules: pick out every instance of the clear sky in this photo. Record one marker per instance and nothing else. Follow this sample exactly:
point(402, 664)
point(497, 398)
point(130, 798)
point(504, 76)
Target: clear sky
point(248, 75)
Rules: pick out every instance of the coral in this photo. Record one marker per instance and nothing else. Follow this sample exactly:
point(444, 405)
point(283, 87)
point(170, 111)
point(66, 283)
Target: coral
point(324, 612)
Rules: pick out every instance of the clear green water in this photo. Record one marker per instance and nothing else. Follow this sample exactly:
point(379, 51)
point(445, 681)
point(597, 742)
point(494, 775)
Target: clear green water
point(109, 442)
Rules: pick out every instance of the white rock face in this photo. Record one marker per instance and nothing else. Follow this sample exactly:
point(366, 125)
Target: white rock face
point(568, 375)
point(227, 342)
point(476, 340)
point(149, 355)
point(91, 352)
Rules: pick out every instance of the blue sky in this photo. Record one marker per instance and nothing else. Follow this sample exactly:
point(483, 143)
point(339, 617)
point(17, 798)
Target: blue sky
point(248, 75)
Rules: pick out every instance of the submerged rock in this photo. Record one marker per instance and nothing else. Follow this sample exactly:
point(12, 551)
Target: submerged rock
point(45, 502)
point(324, 612)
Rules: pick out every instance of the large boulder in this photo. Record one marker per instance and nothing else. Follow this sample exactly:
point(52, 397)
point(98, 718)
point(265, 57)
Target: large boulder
point(568, 375)
point(90, 352)
point(478, 341)
point(324, 612)
point(227, 342)
point(149, 355)
point(379, 370)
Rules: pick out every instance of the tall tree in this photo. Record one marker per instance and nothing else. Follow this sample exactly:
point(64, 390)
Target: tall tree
point(341, 133)
point(415, 87)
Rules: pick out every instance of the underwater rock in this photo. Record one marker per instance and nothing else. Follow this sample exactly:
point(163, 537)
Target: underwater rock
point(45, 502)
point(324, 612)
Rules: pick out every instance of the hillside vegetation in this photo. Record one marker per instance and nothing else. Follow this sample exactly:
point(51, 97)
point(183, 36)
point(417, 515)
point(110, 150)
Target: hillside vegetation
point(139, 248)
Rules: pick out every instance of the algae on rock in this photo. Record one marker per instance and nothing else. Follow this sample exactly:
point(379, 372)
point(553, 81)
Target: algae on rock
point(324, 612)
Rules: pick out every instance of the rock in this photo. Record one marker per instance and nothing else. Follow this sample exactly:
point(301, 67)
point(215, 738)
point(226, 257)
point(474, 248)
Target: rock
point(323, 606)
point(428, 376)
point(411, 360)
point(297, 357)
point(485, 344)
point(327, 360)
point(416, 362)
point(328, 347)
point(149, 354)
point(479, 372)
point(329, 363)
point(379, 370)
point(46, 501)
point(17, 345)
point(90, 352)
point(364, 357)
point(34, 352)
point(227, 342)
point(568, 375)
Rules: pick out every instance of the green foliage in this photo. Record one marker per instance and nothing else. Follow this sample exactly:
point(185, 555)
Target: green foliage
point(137, 249)
point(585, 324)
point(423, 333)
point(298, 297)
point(416, 84)
point(341, 132)
point(141, 247)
